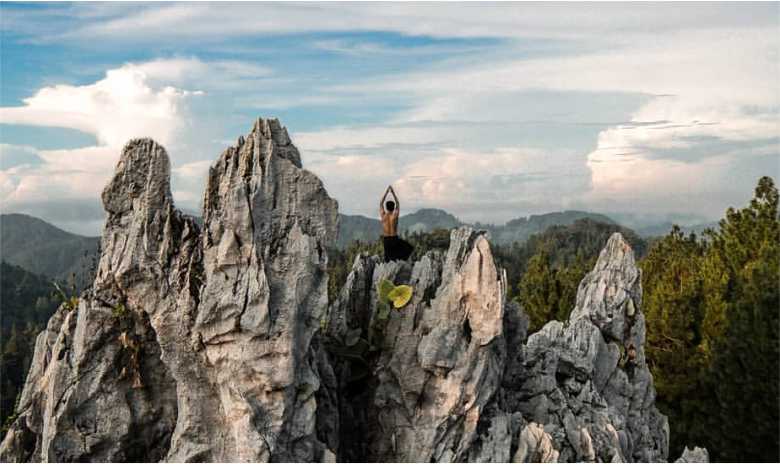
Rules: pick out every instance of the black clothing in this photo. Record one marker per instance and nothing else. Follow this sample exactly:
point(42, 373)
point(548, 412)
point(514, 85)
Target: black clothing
point(396, 248)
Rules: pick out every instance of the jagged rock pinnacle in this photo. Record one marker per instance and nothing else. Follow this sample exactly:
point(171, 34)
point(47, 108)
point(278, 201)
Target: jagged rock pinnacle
point(217, 343)
point(198, 338)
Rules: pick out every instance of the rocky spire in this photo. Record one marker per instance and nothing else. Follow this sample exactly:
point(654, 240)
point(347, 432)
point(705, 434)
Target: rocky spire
point(435, 364)
point(217, 343)
point(586, 380)
point(191, 345)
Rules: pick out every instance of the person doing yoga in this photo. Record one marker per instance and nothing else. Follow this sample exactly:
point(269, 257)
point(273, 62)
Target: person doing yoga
point(395, 247)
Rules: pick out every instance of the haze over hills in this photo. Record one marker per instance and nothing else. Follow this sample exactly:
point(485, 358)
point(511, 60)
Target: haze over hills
point(41, 248)
point(357, 227)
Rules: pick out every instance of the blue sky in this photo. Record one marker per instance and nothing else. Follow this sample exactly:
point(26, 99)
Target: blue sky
point(491, 111)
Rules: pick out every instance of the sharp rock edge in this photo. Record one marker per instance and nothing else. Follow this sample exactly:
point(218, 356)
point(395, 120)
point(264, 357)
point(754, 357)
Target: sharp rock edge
point(217, 343)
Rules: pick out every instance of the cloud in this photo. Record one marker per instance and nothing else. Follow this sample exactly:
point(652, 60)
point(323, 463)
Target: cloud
point(189, 180)
point(133, 100)
point(64, 174)
point(605, 107)
point(121, 106)
point(695, 105)
point(12, 156)
point(214, 22)
point(465, 182)
point(145, 99)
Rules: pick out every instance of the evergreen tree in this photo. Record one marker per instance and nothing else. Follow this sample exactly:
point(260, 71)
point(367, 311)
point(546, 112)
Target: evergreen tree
point(547, 292)
point(712, 332)
point(741, 330)
point(673, 307)
point(537, 292)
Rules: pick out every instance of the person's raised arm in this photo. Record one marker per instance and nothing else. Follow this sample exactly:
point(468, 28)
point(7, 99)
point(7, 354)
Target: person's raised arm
point(397, 203)
point(382, 201)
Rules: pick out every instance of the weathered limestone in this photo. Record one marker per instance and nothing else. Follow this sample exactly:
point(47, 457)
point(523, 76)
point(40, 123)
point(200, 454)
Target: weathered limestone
point(217, 343)
point(694, 455)
point(579, 391)
point(587, 380)
point(535, 445)
point(438, 360)
point(223, 318)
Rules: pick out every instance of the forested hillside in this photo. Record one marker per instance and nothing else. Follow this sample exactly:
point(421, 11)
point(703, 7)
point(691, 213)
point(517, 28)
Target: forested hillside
point(44, 249)
point(26, 302)
point(711, 305)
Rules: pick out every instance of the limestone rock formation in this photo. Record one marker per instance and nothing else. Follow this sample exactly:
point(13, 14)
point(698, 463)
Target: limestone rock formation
point(217, 343)
point(694, 455)
point(437, 362)
point(587, 380)
point(453, 380)
point(192, 345)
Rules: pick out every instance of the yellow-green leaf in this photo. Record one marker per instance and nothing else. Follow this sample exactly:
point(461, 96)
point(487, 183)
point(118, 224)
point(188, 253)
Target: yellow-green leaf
point(400, 296)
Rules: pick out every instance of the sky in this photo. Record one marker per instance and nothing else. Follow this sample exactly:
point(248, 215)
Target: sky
point(489, 111)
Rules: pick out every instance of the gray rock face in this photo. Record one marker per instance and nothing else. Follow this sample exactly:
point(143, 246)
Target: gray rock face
point(694, 455)
point(453, 379)
point(437, 361)
point(587, 380)
point(192, 345)
point(217, 343)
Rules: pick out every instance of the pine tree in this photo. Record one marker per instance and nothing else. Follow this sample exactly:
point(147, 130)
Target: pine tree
point(741, 330)
point(537, 292)
point(673, 297)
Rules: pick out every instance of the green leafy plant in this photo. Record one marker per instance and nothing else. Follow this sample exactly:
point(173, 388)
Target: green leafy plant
point(399, 296)
point(70, 302)
point(385, 287)
point(119, 311)
point(383, 308)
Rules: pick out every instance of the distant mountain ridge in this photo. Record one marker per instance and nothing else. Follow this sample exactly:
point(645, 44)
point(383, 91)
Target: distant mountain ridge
point(519, 230)
point(41, 248)
point(364, 229)
point(357, 227)
point(664, 228)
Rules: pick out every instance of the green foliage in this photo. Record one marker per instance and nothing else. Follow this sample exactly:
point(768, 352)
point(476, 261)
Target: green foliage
point(673, 297)
point(69, 302)
point(119, 311)
point(564, 247)
point(27, 304)
point(548, 268)
point(400, 296)
point(740, 329)
point(384, 287)
point(712, 323)
point(547, 292)
point(423, 242)
point(340, 264)
point(11, 418)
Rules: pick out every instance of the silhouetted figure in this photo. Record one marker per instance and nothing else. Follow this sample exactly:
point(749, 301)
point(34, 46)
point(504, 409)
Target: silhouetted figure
point(395, 247)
